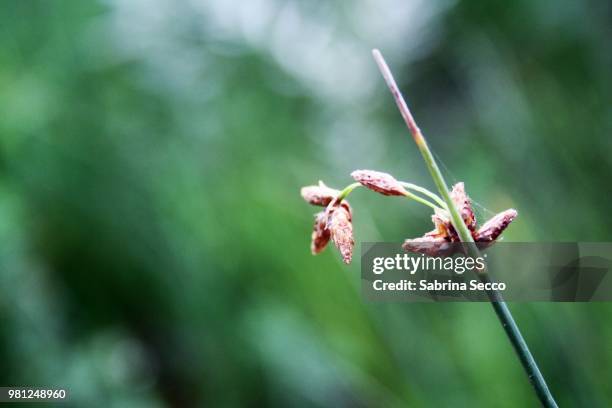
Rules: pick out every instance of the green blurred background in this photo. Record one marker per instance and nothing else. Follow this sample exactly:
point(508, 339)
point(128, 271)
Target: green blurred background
point(155, 249)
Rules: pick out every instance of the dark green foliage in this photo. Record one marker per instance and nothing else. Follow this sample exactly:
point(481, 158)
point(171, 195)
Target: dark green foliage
point(155, 250)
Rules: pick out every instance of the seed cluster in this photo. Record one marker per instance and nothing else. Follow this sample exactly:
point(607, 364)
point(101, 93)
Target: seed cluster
point(335, 221)
point(437, 242)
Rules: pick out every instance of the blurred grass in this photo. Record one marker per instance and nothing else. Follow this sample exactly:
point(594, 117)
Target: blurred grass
point(155, 248)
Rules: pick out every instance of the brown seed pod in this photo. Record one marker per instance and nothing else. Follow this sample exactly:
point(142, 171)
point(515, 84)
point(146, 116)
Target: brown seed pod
point(320, 195)
point(428, 245)
point(462, 201)
point(340, 225)
point(444, 228)
point(320, 234)
point(493, 228)
point(382, 183)
point(434, 241)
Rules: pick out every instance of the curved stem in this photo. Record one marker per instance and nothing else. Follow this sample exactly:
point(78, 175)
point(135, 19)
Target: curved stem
point(421, 200)
point(349, 189)
point(346, 191)
point(499, 305)
point(426, 192)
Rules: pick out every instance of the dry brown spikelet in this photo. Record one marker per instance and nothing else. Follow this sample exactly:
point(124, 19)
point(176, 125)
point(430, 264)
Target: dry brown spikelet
point(320, 233)
point(493, 228)
point(463, 203)
point(428, 245)
point(435, 243)
point(382, 183)
point(320, 195)
point(339, 223)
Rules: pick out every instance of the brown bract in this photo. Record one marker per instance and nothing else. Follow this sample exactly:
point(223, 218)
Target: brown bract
point(334, 223)
point(493, 228)
point(382, 183)
point(320, 233)
point(339, 223)
point(428, 245)
point(436, 242)
point(320, 195)
point(462, 201)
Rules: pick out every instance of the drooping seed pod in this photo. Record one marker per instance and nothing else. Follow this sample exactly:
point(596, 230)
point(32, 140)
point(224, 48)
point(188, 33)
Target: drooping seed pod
point(320, 233)
point(463, 203)
point(493, 228)
point(382, 183)
point(339, 223)
point(320, 195)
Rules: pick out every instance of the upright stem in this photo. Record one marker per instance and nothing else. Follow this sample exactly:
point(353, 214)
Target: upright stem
point(497, 301)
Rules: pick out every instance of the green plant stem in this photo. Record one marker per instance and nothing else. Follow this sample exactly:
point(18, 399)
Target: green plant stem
point(426, 192)
point(497, 301)
point(349, 189)
point(346, 191)
point(421, 200)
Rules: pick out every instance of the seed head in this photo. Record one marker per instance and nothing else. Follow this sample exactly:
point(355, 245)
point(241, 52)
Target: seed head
point(443, 226)
point(493, 228)
point(436, 242)
point(428, 245)
point(382, 183)
point(320, 195)
point(462, 201)
point(339, 223)
point(320, 233)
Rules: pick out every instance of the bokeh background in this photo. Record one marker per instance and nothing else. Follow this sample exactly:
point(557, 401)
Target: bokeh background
point(155, 249)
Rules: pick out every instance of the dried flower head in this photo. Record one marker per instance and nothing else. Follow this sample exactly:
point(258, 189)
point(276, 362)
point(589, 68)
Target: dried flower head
point(428, 245)
point(320, 233)
point(339, 223)
point(319, 195)
point(443, 226)
point(432, 243)
point(382, 183)
point(334, 223)
point(493, 228)
point(462, 201)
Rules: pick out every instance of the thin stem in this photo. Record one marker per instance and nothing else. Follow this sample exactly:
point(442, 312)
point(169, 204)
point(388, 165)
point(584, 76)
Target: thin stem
point(349, 189)
point(499, 305)
point(421, 200)
point(426, 192)
point(436, 174)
